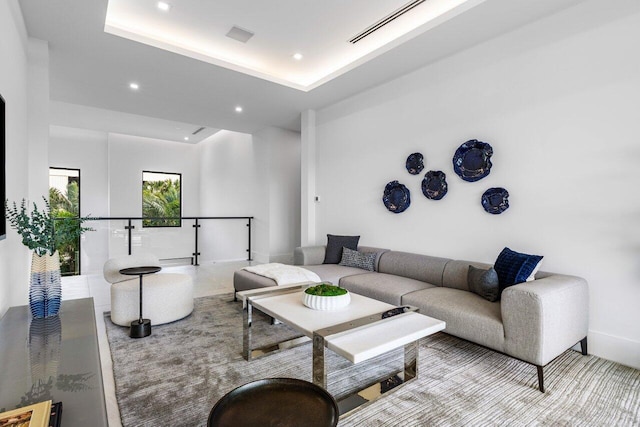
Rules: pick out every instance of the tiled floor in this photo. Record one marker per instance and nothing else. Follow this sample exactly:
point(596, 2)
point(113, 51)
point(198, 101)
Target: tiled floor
point(209, 279)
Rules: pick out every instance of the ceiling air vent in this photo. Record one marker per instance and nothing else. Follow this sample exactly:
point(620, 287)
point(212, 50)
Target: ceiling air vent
point(387, 19)
point(239, 34)
point(197, 131)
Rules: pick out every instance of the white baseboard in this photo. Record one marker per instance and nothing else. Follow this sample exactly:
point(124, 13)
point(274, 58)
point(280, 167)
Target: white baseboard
point(261, 258)
point(617, 349)
point(214, 261)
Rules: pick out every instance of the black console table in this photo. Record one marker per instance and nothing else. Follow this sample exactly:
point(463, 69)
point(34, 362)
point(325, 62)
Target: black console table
point(57, 359)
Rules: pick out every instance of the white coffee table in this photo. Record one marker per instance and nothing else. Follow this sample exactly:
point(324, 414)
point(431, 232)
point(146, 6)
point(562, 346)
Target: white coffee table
point(364, 329)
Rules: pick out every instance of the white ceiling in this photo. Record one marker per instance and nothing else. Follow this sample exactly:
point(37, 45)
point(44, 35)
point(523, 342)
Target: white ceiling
point(319, 30)
point(89, 67)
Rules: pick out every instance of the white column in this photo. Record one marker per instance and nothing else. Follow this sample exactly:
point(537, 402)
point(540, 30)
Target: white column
point(38, 120)
point(308, 179)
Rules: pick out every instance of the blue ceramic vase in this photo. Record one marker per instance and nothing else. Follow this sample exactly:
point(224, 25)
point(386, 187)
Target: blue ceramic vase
point(45, 290)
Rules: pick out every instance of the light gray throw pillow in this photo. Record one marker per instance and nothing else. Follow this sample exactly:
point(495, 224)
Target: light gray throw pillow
point(484, 283)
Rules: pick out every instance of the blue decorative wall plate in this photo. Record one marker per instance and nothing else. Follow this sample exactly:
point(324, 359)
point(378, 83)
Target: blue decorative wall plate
point(415, 163)
point(396, 197)
point(434, 185)
point(495, 200)
point(471, 160)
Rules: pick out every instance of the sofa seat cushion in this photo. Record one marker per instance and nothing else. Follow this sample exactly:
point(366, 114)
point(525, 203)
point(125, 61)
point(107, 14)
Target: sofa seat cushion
point(244, 280)
point(383, 287)
point(334, 272)
point(467, 315)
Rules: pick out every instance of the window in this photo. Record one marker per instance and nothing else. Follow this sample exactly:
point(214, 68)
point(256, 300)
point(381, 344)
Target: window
point(64, 197)
point(161, 198)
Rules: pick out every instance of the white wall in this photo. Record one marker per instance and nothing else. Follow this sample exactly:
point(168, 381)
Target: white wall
point(86, 150)
point(38, 119)
point(230, 186)
point(111, 168)
point(229, 174)
point(128, 157)
point(251, 175)
point(280, 163)
point(14, 269)
point(24, 84)
point(558, 101)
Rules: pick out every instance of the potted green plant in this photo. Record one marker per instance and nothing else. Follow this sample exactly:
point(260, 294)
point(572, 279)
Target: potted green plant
point(42, 233)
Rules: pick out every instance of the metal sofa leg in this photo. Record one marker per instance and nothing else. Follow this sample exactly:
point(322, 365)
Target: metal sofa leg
point(583, 346)
point(540, 378)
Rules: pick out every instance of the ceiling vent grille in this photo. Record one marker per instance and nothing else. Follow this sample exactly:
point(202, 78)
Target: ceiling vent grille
point(386, 20)
point(239, 34)
point(197, 131)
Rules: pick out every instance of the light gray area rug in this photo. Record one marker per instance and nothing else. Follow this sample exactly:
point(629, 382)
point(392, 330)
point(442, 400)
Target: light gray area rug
point(175, 376)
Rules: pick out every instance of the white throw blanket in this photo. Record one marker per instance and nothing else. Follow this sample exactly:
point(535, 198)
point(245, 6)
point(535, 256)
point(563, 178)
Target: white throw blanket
point(284, 274)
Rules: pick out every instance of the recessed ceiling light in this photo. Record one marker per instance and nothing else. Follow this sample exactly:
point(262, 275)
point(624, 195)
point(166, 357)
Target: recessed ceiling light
point(163, 6)
point(186, 138)
point(297, 56)
point(238, 109)
point(134, 86)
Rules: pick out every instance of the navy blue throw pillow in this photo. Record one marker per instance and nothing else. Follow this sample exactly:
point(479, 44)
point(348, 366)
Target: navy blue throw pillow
point(514, 267)
point(333, 254)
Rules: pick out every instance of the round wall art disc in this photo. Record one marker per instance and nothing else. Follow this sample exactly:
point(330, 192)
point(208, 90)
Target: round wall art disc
point(396, 197)
point(495, 200)
point(434, 185)
point(471, 160)
point(415, 163)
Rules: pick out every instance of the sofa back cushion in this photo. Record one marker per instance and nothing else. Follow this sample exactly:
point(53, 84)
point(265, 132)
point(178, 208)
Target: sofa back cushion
point(456, 271)
point(377, 251)
point(414, 266)
point(333, 252)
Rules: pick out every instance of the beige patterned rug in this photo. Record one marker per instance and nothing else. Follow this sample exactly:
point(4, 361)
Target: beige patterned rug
point(175, 376)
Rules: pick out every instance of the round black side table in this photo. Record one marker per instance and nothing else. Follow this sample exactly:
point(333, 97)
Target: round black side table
point(142, 327)
point(285, 402)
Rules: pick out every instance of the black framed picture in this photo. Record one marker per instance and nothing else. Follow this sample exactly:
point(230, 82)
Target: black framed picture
point(3, 180)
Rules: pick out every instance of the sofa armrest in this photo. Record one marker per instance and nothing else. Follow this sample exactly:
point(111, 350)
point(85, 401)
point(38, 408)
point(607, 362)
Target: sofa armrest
point(545, 317)
point(309, 255)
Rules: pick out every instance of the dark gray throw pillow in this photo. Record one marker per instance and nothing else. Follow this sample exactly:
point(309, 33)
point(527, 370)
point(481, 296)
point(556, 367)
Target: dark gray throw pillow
point(357, 259)
point(333, 254)
point(484, 283)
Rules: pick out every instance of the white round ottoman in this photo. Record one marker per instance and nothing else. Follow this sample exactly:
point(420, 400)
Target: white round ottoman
point(166, 297)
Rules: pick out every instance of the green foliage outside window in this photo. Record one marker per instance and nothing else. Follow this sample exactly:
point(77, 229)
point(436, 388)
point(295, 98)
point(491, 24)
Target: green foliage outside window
point(67, 207)
point(161, 199)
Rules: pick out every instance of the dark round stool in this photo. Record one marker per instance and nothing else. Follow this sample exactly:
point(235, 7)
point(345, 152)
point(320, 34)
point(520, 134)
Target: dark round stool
point(282, 402)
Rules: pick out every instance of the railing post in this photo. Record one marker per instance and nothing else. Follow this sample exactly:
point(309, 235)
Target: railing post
point(249, 248)
point(196, 253)
point(129, 227)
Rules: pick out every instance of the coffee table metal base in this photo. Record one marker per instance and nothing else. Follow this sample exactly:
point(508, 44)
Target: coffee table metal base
point(248, 351)
point(140, 329)
point(366, 395)
point(358, 398)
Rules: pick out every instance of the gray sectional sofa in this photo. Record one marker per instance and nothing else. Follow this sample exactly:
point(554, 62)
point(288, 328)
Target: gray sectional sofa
point(533, 321)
